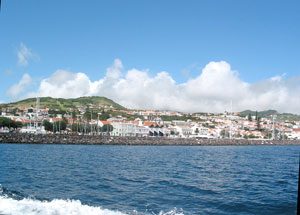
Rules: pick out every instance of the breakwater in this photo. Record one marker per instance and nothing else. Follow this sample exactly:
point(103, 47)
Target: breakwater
point(107, 140)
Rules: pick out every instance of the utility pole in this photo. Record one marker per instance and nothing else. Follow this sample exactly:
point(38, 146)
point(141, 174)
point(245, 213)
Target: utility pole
point(77, 124)
point(230, 134)
point(273, 127)
point(98, 125)
point(91, 123)
point(36, 112)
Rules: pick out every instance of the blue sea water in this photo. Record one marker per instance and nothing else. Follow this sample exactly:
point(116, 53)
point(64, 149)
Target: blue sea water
point(160, 180)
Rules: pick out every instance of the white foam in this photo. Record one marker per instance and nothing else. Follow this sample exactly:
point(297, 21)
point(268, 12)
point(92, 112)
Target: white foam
point(10, 206)
point(172, 212)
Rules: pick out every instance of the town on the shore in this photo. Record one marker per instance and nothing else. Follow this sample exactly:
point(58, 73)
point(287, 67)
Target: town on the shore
point(105, 120)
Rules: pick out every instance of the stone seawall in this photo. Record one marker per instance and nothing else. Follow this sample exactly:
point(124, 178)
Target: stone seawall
point(106, 140)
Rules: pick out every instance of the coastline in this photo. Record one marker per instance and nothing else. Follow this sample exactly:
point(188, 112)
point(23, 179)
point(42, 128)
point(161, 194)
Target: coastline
point(16, 138)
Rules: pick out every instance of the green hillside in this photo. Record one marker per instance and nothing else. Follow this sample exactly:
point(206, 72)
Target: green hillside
point(268, 113)
point(64, 104)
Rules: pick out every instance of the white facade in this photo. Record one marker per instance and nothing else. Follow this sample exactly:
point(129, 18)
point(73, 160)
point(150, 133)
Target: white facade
point(123, 129)
point(184, 131)
point(33, 130)
point(141, 131)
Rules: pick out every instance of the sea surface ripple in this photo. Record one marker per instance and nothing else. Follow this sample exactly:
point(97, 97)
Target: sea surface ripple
point(142, 180)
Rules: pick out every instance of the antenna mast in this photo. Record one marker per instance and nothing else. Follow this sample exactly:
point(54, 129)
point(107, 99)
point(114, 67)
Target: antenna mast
point(37, 111)
point(230, 134)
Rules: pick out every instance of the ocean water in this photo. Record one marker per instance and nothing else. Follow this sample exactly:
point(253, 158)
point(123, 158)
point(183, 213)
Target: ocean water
point(148, 180)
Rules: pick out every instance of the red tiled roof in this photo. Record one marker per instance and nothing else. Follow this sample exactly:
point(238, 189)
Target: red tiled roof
point(105, 122)
point(147, 123)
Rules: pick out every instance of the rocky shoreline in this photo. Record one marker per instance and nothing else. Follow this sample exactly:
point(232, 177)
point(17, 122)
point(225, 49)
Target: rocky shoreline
point(106, 140)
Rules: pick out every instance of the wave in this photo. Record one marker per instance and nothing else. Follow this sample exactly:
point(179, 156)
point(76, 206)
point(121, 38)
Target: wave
point(25, 206)
point(28, 206)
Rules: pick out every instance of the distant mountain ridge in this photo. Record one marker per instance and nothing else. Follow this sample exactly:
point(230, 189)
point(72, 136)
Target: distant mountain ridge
point(64, 104)
point(269, 113)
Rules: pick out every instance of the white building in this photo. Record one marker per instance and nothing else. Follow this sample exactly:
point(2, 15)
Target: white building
point(184, 131)
point(123, 129)
point(141, 131)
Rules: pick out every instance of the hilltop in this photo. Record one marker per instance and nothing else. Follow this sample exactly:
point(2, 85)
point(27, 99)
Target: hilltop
point(64, 104)
point(269, 113)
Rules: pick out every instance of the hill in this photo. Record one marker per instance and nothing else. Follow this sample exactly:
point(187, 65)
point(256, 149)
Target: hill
point(64, 104)
point(269, 113)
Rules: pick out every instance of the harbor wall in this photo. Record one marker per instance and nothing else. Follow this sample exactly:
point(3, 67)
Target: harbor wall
point(107, 140)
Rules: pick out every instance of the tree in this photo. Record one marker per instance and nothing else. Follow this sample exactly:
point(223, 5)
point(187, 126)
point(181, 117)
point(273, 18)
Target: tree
point(73, 115)
point(223, 133)
point(258, 123)
point(251, 136)
point(87, 115)
point(197, 131)
point(107, 128)
point(6, 122)
point(104, 115)
point(249, 117)
point(48, 125)
point(60, 125)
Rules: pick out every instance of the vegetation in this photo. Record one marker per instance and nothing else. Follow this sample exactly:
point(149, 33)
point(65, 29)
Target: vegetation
point(76, 127)
point(258, 123)
point(269, 113)
point(107, 128)
point(64, 104)
point(251, 136)
point(103, 115)
point(56, 126)
point(224, 133)
point(127, 116)
point(8, 123)
point(249, 117)
point(182, 118)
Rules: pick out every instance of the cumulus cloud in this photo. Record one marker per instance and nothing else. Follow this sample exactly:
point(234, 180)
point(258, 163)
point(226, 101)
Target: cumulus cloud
point(64, 84)
point(19, 88)
point(211, 91)
point(24, 55)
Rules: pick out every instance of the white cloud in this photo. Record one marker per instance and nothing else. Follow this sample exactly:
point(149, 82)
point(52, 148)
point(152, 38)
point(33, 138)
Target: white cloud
point(211, 91)
point(24, 55)
point(19, 88)
point(64, 84)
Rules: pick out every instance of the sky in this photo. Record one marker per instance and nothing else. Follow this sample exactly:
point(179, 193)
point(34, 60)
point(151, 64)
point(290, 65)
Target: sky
point(189, 56)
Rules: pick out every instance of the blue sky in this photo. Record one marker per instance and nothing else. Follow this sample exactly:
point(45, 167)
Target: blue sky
point(259, 39)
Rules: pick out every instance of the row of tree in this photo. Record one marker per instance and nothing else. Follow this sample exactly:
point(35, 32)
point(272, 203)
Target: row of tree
point(8, 123)
point(76, 127)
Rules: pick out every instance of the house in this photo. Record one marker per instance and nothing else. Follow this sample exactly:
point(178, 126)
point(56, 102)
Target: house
point(199, 130)
point(184, 130)
point(141, 131)
point(123, 129)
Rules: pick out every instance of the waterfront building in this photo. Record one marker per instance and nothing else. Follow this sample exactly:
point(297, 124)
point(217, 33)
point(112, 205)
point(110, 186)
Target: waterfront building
point(141, 131)
point(123, 129)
